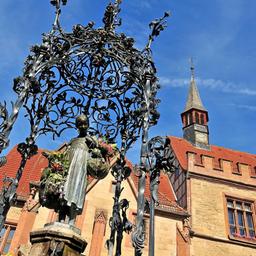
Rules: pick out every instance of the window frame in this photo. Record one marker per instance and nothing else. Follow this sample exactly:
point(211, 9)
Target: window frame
point(4, 240)
point(237, 236)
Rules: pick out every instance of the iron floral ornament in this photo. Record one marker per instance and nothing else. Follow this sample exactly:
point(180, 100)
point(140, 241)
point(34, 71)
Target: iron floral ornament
point(97, 72)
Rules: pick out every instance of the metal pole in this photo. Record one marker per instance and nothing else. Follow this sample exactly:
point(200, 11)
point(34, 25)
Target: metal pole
point(115, 217)
point(151, 251)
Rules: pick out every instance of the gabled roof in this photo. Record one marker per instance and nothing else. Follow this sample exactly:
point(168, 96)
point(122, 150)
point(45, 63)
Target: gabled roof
point(181, 147)
point(166, 196)
point(31, 173)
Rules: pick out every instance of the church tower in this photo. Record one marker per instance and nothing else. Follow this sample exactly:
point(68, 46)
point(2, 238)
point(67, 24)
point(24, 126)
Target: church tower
point(195, 117)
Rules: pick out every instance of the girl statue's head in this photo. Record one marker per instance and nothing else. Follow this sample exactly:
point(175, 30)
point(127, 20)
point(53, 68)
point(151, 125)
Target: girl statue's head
point(82, 124)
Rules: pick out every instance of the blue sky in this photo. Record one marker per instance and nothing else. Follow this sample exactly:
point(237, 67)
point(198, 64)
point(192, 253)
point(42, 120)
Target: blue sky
point(219, 34)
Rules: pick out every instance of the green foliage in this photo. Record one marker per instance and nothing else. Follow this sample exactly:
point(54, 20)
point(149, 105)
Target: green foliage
point(53, 178)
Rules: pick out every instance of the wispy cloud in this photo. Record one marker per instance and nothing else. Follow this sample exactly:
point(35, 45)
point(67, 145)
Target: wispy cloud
point(212, 84)
point(145, 4)
point(242, 106)
point(142, 4)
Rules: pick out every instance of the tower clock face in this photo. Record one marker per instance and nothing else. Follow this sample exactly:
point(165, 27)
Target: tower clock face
point(201, 137)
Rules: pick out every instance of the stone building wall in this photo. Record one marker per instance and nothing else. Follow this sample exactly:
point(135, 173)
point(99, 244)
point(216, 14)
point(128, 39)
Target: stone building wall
point(209, 188)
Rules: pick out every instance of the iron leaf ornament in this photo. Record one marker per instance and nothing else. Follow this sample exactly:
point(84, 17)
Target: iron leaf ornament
point(156, 27)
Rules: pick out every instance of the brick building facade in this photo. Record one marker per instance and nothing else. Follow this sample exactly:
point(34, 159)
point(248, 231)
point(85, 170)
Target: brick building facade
point(207, 207)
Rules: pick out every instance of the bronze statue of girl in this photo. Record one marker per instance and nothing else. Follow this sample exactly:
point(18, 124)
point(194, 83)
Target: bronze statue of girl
point(63, 183)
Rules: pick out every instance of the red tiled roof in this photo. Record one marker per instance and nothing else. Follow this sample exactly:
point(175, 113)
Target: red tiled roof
point(35, 165)
point(32, 171)
point(181, 147)
point(166, 195)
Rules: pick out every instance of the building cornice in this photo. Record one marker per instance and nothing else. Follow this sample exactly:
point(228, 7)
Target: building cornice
point(221, 180)
point(221, 240)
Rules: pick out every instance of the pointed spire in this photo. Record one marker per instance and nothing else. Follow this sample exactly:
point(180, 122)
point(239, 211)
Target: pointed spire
point(193, 100)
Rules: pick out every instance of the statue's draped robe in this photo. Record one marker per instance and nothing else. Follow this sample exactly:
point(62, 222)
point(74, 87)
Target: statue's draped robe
point(75, 185)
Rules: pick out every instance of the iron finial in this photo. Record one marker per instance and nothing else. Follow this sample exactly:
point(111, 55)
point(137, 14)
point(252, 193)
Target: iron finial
point(111, 19)
point(156, 27)
point(192, 68)
point(57, 4)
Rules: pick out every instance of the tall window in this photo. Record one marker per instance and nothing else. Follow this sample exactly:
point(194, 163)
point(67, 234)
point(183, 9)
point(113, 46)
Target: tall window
point(189, 119)
point(241, 218)
point(202, 118)
point(197, 118)
point(6, 236)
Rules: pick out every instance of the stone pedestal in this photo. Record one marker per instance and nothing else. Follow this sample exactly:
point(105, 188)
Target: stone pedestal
point(57, 239)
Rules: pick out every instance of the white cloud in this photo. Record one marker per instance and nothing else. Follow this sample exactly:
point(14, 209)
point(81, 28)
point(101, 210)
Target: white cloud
point(246, 107)
point(212, 84)
point(141, 4)
point(145, 4)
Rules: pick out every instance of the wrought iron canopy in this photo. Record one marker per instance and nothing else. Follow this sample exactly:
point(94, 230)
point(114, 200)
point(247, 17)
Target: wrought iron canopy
point(92, 70)
point(98, 72)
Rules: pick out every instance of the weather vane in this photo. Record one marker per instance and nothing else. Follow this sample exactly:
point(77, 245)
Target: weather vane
point(192, 68)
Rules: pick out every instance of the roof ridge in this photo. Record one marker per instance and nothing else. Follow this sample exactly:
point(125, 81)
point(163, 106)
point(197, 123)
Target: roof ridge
point(225, 148)
point(234, 150)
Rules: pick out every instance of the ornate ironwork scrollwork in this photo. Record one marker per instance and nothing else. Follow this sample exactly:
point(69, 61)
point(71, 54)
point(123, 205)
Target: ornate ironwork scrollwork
point(100, 73)
point(92, 71)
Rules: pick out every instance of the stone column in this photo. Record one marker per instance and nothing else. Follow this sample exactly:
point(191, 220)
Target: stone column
point(25, 223)
point(99, 228)
point(59, 238)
